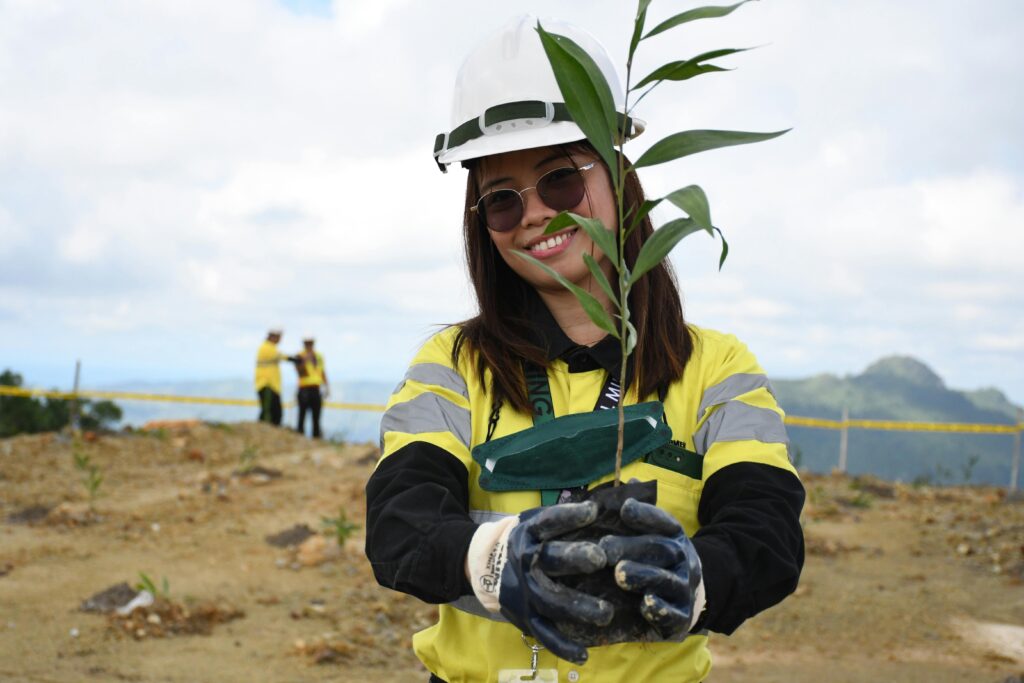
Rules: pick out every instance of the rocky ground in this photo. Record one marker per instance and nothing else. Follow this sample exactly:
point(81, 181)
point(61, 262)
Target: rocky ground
point(225, 525)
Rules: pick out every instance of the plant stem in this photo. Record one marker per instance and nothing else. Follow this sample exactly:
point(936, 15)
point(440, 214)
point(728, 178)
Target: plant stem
point(620, 267)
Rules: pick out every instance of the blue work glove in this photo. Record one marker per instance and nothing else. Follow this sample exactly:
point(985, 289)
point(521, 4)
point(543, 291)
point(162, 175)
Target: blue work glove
point(510, 564)
point(662, 565)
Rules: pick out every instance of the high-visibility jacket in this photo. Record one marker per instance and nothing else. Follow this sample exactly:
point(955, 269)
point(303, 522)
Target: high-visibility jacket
point(722, 408)
point(268, 372)
point(311, 369)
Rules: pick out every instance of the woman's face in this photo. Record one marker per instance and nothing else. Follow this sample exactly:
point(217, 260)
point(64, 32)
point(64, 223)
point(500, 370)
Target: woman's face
point(562, 251)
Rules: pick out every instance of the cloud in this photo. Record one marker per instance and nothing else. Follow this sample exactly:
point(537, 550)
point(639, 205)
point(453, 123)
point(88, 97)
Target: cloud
point(196, 171)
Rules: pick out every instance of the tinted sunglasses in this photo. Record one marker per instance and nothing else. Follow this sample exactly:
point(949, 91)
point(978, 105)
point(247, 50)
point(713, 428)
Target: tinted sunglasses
point(561, 189)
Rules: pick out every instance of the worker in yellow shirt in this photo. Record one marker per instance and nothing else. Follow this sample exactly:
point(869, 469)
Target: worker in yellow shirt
point(313, 388)
point(268, 377)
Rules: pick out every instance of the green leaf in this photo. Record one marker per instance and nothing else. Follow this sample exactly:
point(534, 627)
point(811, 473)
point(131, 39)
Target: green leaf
point(587, 95)
point(638, 28)
point(602, 281)
point(601, 236)
point(692, 15)
point(690, 142)
point(725, 249)
point(645, 208)
point(591, 305)
point(686, 69)
point(659, 244)
point(559, 222)
point(595, 229)
point(694, 202)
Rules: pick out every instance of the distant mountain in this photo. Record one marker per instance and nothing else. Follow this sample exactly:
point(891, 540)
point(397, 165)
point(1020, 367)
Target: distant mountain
point(356, 426)
point(901, 388)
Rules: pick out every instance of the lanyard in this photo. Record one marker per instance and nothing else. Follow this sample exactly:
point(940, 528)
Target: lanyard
point(538, 392)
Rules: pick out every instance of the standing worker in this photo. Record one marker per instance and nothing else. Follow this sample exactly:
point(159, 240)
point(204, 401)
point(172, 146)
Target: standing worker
point(313, 387)
point(451, 525)
point(268, 377)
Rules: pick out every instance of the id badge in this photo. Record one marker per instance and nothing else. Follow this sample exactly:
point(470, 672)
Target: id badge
point(528, 676)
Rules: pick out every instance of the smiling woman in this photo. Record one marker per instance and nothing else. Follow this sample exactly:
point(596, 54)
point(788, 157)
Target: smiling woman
point(487, 502)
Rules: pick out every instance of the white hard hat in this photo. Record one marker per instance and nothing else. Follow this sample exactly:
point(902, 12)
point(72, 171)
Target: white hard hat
point(506, 96)
point(308, 337)
point(278, 330)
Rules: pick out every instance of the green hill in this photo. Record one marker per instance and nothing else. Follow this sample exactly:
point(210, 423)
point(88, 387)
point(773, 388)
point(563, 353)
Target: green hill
point(900, 388)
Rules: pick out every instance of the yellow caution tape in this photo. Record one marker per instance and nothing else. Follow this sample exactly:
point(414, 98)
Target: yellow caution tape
point(818, 422)
point(792, 420)
point(167, 398)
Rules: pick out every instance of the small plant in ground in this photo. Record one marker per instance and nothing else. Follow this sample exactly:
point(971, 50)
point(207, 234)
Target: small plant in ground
point(92, 478)
point(922, 480)
point(862, 500)
point(339, 527)
point(146, 583)
point(247, 459)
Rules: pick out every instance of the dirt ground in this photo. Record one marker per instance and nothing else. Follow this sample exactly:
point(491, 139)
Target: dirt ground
point(900, 584)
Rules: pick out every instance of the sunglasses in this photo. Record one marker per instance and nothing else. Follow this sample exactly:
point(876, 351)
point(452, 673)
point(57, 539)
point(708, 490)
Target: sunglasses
point(561, 189)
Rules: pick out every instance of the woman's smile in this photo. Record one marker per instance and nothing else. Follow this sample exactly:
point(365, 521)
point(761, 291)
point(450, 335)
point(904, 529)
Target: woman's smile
point(546, 246)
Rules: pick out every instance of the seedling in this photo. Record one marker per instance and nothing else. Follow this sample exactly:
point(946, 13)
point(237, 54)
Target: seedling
point(589, 100)
point(247, 459)
point(92, 478)
point(340, 527)
point(147, 584)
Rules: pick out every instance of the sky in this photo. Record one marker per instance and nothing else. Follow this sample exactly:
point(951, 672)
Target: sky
point(176, 177)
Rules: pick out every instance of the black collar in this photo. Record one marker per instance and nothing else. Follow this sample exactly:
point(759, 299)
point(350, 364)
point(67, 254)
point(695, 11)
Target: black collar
point(605, 354)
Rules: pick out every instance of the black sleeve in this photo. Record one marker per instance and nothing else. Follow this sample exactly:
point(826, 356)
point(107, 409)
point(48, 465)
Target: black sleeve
point(750, 542)
point(417, 523)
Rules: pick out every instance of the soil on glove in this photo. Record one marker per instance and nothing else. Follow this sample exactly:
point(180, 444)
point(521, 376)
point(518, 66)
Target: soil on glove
point(900, 584)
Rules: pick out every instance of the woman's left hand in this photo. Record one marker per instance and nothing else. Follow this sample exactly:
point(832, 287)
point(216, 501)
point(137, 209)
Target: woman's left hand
point(662, 564)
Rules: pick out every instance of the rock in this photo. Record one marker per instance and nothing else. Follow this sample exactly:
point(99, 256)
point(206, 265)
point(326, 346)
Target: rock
point(142, 599)
point(312, 552)
point(30, 514)
point(290, 537)
point(110, 599)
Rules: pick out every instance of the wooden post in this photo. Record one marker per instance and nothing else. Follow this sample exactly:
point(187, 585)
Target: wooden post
point(1015, 466)
point(73, 422)
point(843, 440)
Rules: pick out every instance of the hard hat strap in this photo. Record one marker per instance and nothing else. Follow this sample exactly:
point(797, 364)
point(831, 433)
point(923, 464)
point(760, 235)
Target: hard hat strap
point(517, 115)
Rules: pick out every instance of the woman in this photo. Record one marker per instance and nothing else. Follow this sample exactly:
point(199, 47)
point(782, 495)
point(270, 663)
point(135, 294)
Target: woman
point(440, 528)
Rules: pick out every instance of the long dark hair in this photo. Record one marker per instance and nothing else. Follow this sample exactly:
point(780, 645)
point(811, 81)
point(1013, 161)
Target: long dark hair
point(500, 336)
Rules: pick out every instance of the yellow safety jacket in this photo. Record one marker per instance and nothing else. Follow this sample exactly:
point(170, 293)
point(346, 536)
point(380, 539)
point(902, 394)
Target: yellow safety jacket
point(722, 408)
point(268, 373)
point(311, 369)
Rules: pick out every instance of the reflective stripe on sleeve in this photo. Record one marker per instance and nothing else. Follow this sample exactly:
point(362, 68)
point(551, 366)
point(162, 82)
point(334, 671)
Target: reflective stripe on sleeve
point(436, 374)
point(732, 387)
point(427, 413)
point(738, 421)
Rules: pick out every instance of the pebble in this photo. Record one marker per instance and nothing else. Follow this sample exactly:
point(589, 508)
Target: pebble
point(73, 632)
